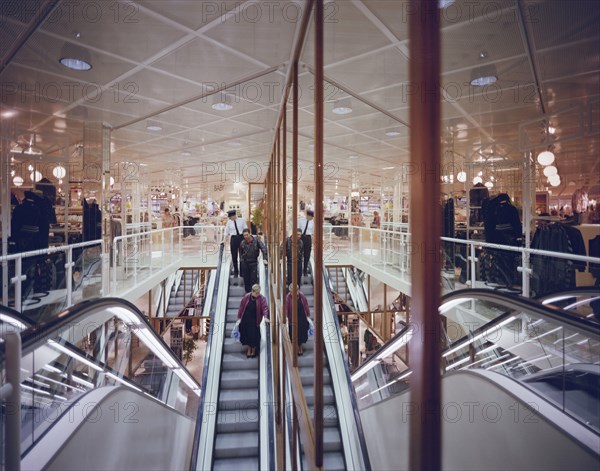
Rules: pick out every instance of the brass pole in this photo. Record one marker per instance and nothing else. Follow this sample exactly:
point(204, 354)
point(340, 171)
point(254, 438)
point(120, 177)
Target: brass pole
point(318, 240)
point(284, 209)
point(425, 426)
point(250, 206)
point(295, 261)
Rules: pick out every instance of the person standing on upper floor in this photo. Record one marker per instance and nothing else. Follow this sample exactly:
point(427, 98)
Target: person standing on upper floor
point(234, 229)
point(252, 309)
point(167, 219)
point(307, 226)
point(303, 317)
point(376, 220)
point(249, 250)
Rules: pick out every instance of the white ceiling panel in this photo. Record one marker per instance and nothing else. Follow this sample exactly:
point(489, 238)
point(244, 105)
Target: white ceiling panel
point(346, 34)
point(191, 13)
point(205, 62)
point(371, 72)
point(118, 27)
point(262, 30)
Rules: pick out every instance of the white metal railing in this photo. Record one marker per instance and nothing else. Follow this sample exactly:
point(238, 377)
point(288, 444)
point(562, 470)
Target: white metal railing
point(18, 277)
point(136, 256)
point(391, 251)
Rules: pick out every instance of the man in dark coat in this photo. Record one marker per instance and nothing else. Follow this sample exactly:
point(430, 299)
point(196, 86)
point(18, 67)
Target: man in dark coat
point(250, 249)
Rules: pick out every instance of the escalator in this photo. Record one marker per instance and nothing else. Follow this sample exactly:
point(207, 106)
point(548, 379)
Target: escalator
point(340, 286)
point(75, 390)
point(231, 425)
point(343, 443)
point(517, 374)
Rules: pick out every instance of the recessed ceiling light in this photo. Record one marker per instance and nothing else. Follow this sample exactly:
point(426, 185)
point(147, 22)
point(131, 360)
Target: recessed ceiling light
point(387, 168)
point(342, 106)
point(392, 133)
point(484, 75)
point(221, 102)
point(75, 64)
point(153, 127)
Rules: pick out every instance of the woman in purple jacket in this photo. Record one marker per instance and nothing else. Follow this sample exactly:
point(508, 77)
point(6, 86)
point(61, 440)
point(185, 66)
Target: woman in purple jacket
point(252, 309)
point(303, 317)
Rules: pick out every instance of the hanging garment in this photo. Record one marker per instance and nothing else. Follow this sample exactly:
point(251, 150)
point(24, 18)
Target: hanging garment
point(551, 274)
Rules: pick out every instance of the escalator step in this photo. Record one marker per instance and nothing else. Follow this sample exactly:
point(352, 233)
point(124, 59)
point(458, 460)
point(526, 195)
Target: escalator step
point(328, 396)
point(238, 399)
point(243, 420)
point(238, 362)
point(230, 464)
point(245, 379)
point(332, 441)
point(330, 417)
point(307, 377)
point(332, 461)
point(237, 445)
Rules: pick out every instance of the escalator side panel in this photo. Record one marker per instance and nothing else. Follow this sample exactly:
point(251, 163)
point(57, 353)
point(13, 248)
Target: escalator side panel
point(488, 422)
point(92, 433)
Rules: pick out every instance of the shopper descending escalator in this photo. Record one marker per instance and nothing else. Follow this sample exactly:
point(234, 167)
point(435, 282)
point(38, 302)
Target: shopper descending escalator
point(250, 249)
point(303, 317)
point(252, 310)
point(289, 257)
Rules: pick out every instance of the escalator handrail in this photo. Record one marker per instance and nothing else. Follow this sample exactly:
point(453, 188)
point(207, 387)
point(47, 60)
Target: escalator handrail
point(270, 399)
point(347, 375)
point(16, 315)
point(511, 301)
point(547, 312)
point(213, 306)
point(37, 335)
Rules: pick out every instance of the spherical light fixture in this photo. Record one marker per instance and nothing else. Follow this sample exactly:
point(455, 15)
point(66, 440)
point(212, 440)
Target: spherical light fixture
point(35, 176)
point(59, 172)
point(554, 180)
point(18, 181)
point(550, 170)
point(489, 185)
point(545, 158)
point(477, 180)
point(461, 177)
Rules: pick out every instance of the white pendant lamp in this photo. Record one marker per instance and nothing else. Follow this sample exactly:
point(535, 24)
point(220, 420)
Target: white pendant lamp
point(550, 170)
point(545, 158)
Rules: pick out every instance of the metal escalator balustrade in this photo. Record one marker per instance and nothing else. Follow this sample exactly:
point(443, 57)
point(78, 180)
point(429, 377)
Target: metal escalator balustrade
point(230, 428)
point(237, 433)
point(104, 342)
point(583, 301)
point(350, 425)
point(550, 351)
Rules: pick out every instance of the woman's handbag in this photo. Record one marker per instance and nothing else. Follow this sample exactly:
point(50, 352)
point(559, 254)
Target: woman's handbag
point(235, 334)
